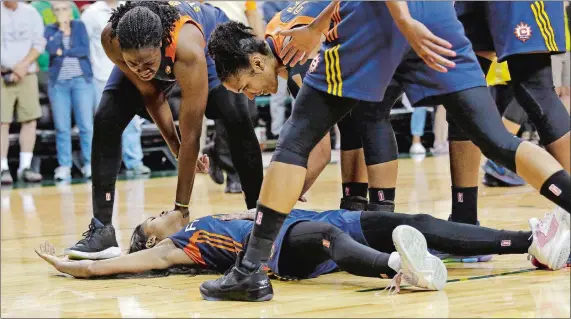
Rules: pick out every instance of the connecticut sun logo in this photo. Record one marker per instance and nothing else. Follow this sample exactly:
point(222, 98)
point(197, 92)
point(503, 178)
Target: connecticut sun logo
point(522, 31)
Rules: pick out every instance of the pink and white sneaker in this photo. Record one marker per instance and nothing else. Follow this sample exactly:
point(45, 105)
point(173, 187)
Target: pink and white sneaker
point(550, 247)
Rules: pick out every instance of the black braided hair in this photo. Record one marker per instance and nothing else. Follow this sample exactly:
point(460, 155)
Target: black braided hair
point(230, 45)
point(143, 24)
point(138, 240)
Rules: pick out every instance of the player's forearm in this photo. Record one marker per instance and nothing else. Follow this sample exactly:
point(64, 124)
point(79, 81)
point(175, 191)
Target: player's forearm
point(192, 76)
point(188, 155)
point(162, 116)
point(399, 12)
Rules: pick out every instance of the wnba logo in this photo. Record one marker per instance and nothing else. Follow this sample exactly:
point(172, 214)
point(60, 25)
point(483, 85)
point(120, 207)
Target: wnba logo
point(259, 218)
point(381, 196)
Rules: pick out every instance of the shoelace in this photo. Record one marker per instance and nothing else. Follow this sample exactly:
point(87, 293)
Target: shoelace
point(395, 284)
point(89, 232)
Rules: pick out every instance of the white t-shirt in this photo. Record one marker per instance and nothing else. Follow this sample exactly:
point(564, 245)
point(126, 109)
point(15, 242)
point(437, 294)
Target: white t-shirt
point(95, 18)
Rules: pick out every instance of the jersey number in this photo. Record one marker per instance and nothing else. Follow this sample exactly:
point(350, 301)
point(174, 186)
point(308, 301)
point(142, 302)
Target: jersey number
point(297, 7)
point(190, 226)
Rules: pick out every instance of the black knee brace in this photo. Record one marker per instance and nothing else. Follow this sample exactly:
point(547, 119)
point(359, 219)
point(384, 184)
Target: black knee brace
point(532, 80)
point(378, 136)
point(350, 133)
point(473, 110)
point(314, 114)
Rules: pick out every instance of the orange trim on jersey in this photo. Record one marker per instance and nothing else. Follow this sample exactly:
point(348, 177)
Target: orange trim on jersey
point(228, 244)
point(275, 25)
point(170, 51)
point(193, 251)
point(332, 34)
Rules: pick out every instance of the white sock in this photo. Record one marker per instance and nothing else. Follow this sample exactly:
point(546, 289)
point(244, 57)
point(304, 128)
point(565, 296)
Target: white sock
point(25, 160)
point(395, 262)
point(4, 164)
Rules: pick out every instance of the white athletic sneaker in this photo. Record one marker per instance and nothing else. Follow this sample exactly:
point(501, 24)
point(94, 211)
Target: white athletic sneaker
point(62, 173)
point(550, 246)
point(419, 267)
point(417, 148)
point(86, 171)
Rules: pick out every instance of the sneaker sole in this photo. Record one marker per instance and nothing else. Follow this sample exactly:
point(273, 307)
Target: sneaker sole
point(559, 259)
point(258, 295)
point(111, 252)
point(412, 247)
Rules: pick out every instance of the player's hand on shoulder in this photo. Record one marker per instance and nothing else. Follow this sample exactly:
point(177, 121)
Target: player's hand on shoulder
point(299, 45)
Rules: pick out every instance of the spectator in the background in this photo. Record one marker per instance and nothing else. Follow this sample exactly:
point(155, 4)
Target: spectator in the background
point(22, 42)
point(83, 5)
point(48, 16)
point(70, 87)
point(245, 12)
point(95, 18)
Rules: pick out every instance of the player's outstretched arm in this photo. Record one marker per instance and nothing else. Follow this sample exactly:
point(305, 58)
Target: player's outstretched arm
point(192, 76)
point(162, 256)
point(432, 49)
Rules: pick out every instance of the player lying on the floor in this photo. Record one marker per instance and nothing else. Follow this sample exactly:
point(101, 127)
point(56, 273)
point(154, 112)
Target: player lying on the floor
point(310, 244)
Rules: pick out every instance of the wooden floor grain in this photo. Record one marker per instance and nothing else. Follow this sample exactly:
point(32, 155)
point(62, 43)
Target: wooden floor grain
point(507, 286)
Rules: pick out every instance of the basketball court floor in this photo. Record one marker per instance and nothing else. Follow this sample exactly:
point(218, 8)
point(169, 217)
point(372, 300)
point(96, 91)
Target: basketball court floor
point(507, 286)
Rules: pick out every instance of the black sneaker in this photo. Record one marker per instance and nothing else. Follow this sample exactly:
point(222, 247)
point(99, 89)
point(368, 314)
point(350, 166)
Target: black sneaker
point(239, 284)
point(215, 171)
point(98, 242)
point(355, 203)
point(385, 206)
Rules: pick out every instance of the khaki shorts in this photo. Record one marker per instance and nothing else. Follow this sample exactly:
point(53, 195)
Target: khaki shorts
point(27, 96)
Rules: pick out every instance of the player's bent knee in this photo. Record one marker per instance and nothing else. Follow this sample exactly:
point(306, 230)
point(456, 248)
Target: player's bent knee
point(296, 141)
point(500, 147)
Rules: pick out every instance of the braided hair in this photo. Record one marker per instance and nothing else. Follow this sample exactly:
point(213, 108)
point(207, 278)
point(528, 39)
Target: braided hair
point(143, 24)
point(230, 45)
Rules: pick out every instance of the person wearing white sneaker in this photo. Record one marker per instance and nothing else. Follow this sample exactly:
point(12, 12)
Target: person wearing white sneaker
point(550, 247)
point(311, 244)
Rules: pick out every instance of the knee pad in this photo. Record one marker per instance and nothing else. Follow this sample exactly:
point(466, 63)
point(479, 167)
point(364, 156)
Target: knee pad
point(532, 80)
point(500, 147)
point(350, 133)
point(378, 136)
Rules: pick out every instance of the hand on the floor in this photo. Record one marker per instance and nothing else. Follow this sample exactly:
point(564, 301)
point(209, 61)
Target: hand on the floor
point(302, 199)
point(74, 268)
point(48, 253)
point(203, 164)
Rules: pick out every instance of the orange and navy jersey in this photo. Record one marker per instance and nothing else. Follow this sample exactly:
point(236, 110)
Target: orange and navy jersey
point(212, 243)
point(296, 14)
point(205, 17)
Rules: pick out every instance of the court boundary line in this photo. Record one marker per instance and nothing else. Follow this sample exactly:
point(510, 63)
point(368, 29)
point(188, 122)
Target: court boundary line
point(515, 272)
